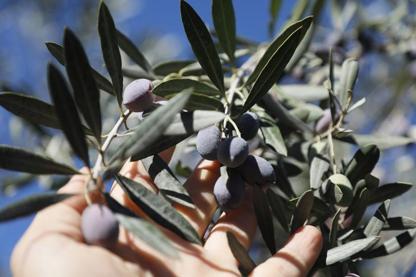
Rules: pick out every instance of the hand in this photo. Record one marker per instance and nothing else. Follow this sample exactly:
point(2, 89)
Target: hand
point(53, 244)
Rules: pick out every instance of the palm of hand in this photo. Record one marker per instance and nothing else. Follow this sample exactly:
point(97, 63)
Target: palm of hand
point(53, 244)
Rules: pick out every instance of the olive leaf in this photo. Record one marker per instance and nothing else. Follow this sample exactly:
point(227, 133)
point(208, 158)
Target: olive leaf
point(202, 45)
point(174, 86)
point(302, 211)
point(224, 23)
point(30, 109)
point(279, 208)
point(86, 94)
point(392, 245)
point(358, 206)
point(58, 52)
point(264, 216)
point(191, 122)
point(344, 252)
point(158, 145)
point(399, 223)
point(246, 264)
point(132, 51)
point(277, 44)
point(17, 159)
point(363, 162)
point(319, 166)
point(334, 229)
point(67, 113)
point(273, 138)
point(273, 70)
point(377, 221)
point(349, 73)
point(166, 68)
point(148, 233)
point(158, 209)
point(30, 205)
point(109, 47)
point(166, 181)
point(389, 191)
point(204, 97)
point(151, 128)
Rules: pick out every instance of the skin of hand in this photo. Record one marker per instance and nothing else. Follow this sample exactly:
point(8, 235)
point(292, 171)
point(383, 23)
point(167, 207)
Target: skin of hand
point(53, 244)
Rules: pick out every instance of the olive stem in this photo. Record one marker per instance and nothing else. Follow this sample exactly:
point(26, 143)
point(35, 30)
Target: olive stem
point(332, 153)
point(111, 135)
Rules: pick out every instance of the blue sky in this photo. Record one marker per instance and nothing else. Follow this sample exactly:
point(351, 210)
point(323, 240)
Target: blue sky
point(28, 56)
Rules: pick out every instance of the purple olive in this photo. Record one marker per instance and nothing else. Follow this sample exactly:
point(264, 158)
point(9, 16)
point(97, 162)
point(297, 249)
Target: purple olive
point(207, 142)
point(138, 96)
point(249, 125)
point(229, 190)
point(256, 170)
point(232, 152)
point(324, 122)
point(99, 226)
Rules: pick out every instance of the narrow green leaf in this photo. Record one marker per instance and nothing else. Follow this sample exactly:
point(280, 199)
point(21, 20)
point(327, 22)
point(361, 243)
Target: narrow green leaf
point(58, 52)
point(358, 207)
point(363, 162)
point(109, 47)
point(30, 109)
point(158, 145)
point(334, 229)
point(224, 23)
point(399, 223)
point(377, 221)
point(159, 209)
point(319, 166)
point(274, 8)
point(302, 211)
point(167, 68)
point(204, 97)
point(345, 251)
point(176, 85)
point(389, 191)
point(264, 218)
point(191, 122)
point(307, 93)
point(383, 142)
point(273, 138)
point(392, 245)
point(278, 43)
point(349, 74)
point(30, 205)
point(152, 127)
point(116, 207)
point(166, 181)
point(279, 209)
point(67, 113)
point(132, 51)
point(273, 69)
point(149, 234)
point(86, 94)
point(246, 264)
point(17, 159)
point(202, 45)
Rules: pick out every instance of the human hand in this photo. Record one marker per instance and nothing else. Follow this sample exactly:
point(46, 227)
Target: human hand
point(53, 245)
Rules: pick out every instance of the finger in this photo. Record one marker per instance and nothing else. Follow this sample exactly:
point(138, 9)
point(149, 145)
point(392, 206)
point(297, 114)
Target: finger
point(200, 186)
point(297, 257)
point(241, 222)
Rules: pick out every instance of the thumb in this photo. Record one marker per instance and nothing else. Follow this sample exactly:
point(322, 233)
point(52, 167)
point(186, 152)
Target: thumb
point(296, 258)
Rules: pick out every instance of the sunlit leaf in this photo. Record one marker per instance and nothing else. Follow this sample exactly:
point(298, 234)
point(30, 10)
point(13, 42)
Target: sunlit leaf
point(302, 211)
point(158, 209)
point(246, 264)
point(345, 251)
